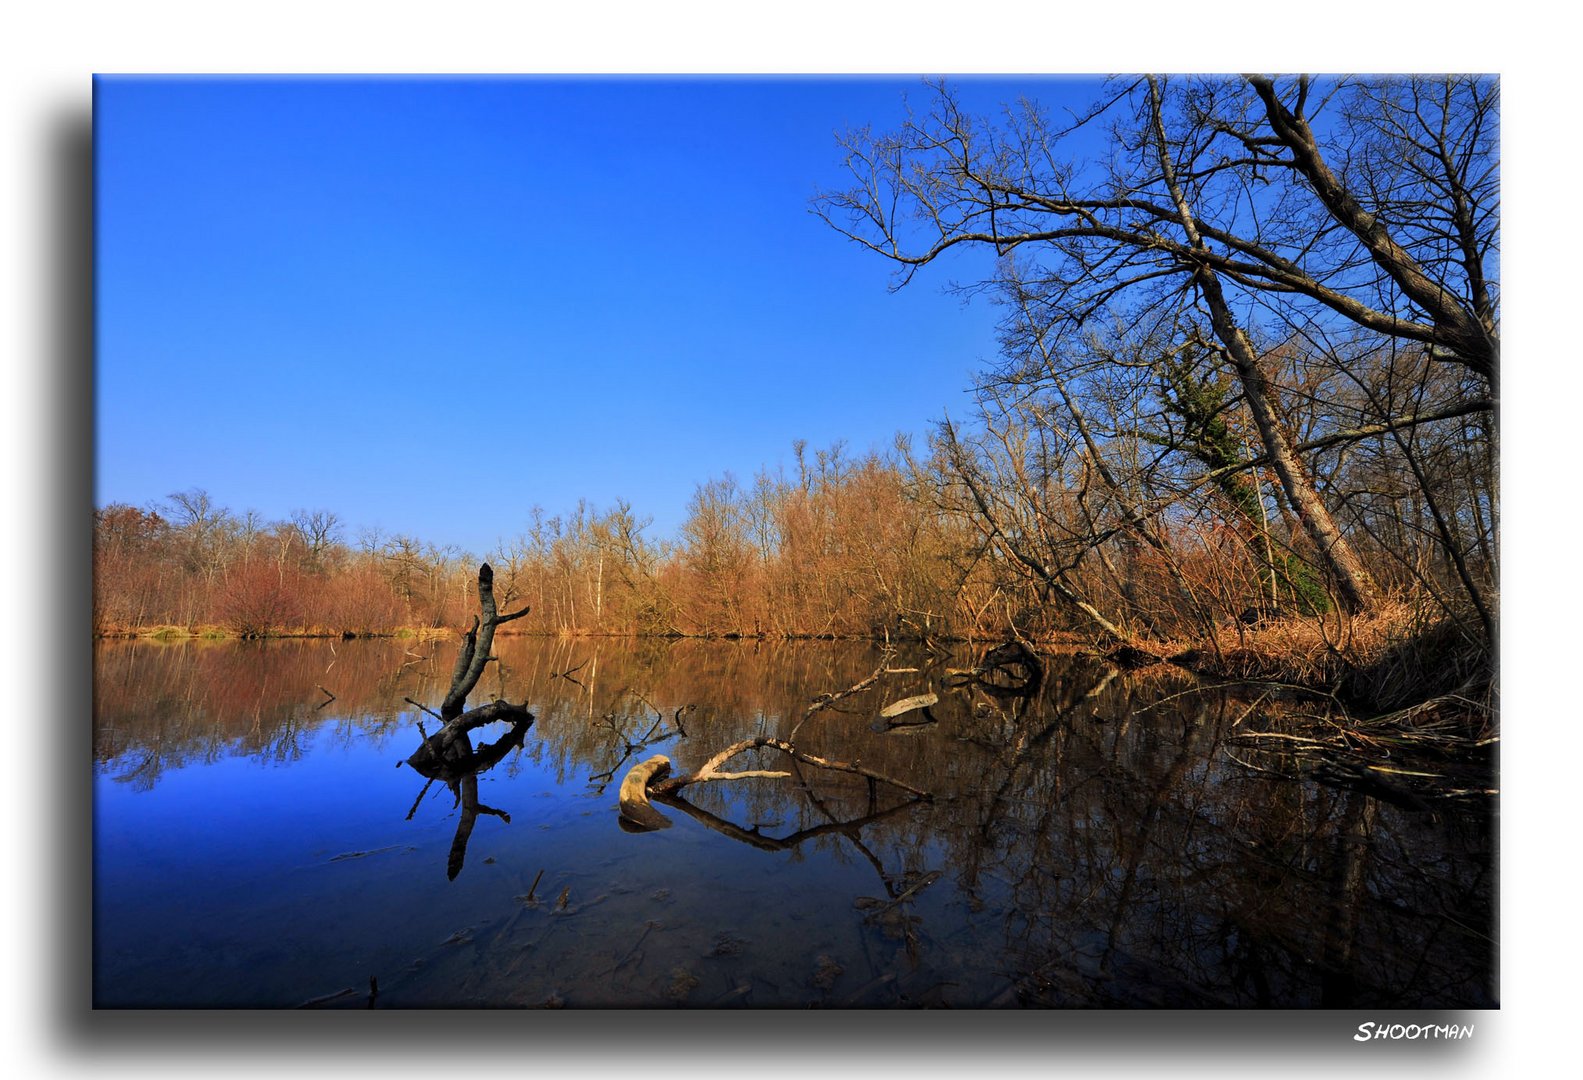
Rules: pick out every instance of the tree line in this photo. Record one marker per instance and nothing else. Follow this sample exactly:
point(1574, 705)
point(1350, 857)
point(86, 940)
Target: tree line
point(843, 547)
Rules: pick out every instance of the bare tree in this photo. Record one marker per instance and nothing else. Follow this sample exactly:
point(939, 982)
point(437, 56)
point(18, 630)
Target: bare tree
point(320, 529)
point(1218, 208)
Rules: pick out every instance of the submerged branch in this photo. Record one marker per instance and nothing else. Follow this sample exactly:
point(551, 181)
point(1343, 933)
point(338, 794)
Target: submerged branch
point(710, 770)
point(648, 778)
point(824, 701)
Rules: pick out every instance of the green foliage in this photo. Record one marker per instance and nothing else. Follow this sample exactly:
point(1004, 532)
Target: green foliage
point(1301, 586)
point(1201, 401)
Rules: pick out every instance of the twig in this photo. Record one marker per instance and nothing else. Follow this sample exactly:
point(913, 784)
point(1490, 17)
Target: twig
point(534, 887)
point(1403, 772)
point(922, 884)
point(567, 674)
point(327, 998)
point(1290, 738)
point(623, 961)
point(1249, 710)
point(1255, 768)
point(419, 799)
point(824, 701)
point(425, 708)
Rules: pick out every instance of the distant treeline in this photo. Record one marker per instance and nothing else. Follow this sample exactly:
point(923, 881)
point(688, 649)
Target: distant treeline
point(872, 546)
point(845, 548)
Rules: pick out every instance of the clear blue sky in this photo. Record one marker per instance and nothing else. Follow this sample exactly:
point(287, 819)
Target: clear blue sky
point(429, 305)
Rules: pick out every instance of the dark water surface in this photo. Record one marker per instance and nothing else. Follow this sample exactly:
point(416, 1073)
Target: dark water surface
point(258, 844)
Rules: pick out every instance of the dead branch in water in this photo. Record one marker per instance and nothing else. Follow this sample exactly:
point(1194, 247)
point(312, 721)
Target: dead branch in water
point(711, 769)
point(476, 645)
point(824, 701)
point(425, 708)
point(436, 752)
point(648, 778)
point(634, 795)
point(1008, 669)
point(567, 674)
point(644, 741)
point(1415, 757)
point(447, 750)
point(847, 829)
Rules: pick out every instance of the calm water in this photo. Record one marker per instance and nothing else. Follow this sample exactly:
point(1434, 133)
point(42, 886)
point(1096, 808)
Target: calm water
point(260, 844)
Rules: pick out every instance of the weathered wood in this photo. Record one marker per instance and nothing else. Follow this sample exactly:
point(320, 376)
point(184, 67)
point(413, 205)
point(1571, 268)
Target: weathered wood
point(476, 645)
point(440, 752)
point(436, 751)
point(634, 794)
point(907, 705)
point(711, 770)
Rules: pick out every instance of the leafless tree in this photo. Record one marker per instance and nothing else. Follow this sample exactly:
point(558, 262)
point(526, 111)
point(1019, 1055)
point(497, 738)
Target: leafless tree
point(1219, 210)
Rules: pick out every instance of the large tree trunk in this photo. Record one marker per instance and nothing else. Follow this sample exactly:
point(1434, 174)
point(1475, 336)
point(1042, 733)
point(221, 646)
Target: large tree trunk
point(1354, 586)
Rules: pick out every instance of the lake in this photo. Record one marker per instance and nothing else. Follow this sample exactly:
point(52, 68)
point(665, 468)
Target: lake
point(1095, 840)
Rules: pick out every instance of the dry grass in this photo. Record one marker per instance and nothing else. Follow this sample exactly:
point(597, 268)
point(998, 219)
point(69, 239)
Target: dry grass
point(1394, 658)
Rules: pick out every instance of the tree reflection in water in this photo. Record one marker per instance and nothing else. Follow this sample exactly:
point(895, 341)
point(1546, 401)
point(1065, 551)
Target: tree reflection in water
point(1096, 844)
point(458, 769)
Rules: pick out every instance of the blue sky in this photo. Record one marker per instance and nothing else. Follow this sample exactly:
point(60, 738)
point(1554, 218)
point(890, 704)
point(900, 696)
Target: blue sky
point(429, 305)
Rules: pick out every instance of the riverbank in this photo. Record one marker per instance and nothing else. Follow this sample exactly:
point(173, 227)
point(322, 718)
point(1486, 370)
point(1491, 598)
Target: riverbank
point(1391, 660)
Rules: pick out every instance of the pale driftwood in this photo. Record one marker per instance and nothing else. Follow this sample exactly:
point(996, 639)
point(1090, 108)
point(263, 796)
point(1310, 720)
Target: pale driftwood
point(907, 705)
point(711, 769)
point(634, 796)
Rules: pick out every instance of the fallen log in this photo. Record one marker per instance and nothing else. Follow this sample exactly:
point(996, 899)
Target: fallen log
point(634, 796)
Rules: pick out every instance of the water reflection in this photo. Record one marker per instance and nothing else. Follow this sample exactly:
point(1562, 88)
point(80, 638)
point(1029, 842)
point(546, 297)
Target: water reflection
point(1088, 843)
point(457, 765)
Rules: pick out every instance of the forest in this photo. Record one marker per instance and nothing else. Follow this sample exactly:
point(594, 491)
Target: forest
point(1243, 417)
